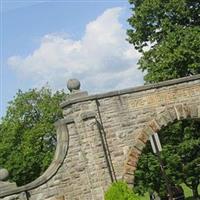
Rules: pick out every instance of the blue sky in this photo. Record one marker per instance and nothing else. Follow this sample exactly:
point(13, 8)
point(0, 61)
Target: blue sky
point(51, 41)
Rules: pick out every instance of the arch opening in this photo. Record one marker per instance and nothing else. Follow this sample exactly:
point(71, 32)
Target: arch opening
point(179, 131)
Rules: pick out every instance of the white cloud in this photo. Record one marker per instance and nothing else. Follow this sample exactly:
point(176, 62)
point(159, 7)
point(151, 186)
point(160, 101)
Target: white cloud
point(102, 59)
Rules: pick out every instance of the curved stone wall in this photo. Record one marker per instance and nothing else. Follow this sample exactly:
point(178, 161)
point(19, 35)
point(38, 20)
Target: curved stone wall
point(60, 153)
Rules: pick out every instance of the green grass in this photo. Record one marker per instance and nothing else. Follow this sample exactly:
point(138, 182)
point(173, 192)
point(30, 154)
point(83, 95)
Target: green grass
point(187, 192)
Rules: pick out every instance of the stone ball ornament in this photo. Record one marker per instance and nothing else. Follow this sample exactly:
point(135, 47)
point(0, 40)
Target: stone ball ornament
point(4, 174)
point(73, 85)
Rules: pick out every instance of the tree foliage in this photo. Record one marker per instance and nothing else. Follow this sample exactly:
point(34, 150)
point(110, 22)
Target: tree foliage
point(166, 32)
point(120, 191)
point(27, 134)
point(181, 150)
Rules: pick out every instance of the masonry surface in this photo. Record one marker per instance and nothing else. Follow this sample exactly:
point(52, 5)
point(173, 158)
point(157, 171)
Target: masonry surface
point(102, 136)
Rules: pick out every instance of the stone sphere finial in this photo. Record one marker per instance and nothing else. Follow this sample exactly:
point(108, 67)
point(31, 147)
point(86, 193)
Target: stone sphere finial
point(73, 85)
point(4, 174)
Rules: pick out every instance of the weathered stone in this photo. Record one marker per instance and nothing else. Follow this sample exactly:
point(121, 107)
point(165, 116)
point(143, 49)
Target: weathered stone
point(139, 144)
point(129, 169)
point(4, 174)
point(198, 108)
point(143, 137)
point(172, 112)
point(193, 110)
point(129, 178)
point(132, 160)
point(148, 130)
point(7, 186)
point(179, 111)
point(102, 136)
point(73, 85)
point(162, 121)
point(154, 125)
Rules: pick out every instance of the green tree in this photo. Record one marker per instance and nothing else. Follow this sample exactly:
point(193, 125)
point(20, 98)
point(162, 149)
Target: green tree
point(189, 151)
point(27, 133)
point(166, 32)
point(120, 191)
point(180, 155)
point(148, 177)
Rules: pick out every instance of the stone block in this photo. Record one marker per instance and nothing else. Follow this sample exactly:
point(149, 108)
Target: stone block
point(154, 125)
point(143, 137)
point(179, 111)
point(187, 111)
point(139, 145)
point(162, 120)
point(199, 111)
point(129, 169)
point(148, 130)
point(193, 110)
point(132, 160)
point(128, 178)
point(172, 112)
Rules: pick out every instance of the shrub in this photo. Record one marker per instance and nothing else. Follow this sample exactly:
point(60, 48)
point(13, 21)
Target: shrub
point(120, 191)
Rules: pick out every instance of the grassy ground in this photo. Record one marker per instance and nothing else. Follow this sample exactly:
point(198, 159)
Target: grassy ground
point(187, 192)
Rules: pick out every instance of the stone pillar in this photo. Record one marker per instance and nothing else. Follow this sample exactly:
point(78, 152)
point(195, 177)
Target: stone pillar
point(87, 171)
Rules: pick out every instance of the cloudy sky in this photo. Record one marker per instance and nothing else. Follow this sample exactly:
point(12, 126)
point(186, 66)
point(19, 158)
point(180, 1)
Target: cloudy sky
point(51, 41)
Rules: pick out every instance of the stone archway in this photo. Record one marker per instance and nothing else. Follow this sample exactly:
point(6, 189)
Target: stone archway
point(162, 119)
point(103, 135)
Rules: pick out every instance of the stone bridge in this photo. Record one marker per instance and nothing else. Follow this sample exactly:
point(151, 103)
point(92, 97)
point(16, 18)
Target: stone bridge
point(101, 137)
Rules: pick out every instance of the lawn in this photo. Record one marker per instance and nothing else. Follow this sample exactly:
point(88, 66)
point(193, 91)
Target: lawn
point(187, 192)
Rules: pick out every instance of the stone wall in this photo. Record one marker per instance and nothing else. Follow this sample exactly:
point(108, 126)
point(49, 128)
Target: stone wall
point(102, 136)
